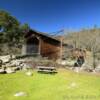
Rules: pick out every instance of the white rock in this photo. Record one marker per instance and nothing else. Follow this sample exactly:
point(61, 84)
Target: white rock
point(9, 70)
point(20, 94)
point(29, 73)
point(5, 58)
point(2, 70)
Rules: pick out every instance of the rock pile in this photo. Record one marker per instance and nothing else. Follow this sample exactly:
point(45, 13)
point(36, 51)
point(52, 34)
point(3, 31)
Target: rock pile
point(9, 64)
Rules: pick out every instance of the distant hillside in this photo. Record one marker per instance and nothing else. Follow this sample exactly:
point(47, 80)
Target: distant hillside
point(87, 38)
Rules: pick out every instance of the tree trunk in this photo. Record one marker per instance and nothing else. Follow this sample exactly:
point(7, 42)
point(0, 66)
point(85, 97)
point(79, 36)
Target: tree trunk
point(94, 58)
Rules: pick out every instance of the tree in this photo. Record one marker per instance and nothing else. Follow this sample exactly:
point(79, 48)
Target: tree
point(86, 39)
point(9, 27)
point(95, 48)
point(11, 31)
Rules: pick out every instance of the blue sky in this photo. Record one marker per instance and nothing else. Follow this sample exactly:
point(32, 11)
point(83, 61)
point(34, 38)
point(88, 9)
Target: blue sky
point(53, 15)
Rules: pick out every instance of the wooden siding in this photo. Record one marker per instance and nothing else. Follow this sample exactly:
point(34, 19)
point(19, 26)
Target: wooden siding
point(50, 50)
point(48, 46)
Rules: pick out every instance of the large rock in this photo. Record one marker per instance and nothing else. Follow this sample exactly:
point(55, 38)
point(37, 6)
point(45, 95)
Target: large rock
point(5, 58)
point(2, 71)
point(9, 71)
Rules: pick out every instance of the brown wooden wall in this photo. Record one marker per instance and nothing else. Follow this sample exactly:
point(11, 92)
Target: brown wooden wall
point(50, 50)
point(48, 46)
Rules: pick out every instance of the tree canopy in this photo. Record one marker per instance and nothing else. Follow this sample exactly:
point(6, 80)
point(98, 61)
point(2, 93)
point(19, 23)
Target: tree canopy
point(11, 30)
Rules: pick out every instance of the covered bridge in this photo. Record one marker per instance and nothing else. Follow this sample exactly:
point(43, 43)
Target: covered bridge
point(41, 44)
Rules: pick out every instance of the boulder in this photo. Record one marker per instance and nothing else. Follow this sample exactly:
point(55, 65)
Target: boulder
point(2, 71)
point(5, 58)
point(9, 71)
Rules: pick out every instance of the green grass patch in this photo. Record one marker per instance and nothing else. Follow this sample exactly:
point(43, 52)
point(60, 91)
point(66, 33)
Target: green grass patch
point(65, 85)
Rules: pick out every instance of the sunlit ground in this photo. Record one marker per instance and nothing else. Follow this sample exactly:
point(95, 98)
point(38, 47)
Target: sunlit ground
point(65, 85)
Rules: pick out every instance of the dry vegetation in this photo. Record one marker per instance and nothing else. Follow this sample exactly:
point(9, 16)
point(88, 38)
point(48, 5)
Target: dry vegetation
point(87, 39)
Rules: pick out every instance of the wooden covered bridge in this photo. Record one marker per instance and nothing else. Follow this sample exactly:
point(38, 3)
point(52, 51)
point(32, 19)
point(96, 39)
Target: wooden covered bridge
point(41, 44)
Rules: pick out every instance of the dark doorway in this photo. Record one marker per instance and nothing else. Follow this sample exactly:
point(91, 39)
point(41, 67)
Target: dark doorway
point(32, 46)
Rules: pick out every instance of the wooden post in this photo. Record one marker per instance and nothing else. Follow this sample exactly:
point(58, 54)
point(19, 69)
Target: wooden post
point(39, 50)
point(61, 44)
